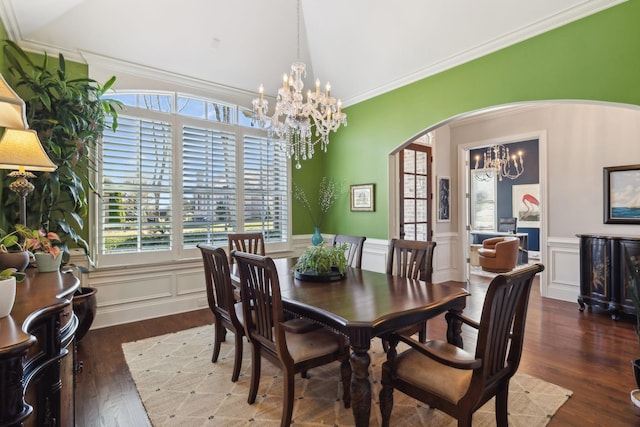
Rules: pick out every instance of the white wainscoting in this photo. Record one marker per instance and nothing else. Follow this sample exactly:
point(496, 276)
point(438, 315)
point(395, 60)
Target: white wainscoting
point(136, 293)
point(562, 269)
point(445, 258)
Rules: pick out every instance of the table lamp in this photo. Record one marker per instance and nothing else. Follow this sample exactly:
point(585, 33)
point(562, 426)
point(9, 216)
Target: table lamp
point(21, 149)
point(12, 108)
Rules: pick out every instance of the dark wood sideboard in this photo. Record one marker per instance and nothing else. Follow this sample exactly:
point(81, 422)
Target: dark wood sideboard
point(37, 353)
point(604, 276)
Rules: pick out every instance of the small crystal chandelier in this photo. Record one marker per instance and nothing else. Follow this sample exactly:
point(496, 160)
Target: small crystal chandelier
point(498, 162)
point(291, 124)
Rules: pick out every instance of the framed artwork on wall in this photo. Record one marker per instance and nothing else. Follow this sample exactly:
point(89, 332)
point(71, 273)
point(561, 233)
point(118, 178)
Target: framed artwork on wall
point(526, 205)
point(444, 199)
point(622, 194)
point(362, 198)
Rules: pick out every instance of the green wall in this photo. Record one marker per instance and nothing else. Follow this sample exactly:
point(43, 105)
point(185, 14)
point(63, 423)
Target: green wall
point(596, 58)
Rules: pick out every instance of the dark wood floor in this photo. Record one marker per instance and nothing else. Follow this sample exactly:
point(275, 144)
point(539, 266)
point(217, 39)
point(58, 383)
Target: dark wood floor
point(587, 353)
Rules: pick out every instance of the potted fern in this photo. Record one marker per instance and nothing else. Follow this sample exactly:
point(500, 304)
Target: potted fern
point(321, 264)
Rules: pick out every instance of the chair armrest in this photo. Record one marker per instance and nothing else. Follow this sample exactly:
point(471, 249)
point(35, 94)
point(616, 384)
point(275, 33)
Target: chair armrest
point(491, 242)
point(464, 319)
point(445, 353)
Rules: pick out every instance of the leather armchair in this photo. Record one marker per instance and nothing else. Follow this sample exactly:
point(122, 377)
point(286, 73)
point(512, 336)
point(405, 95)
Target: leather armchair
point(499, 254)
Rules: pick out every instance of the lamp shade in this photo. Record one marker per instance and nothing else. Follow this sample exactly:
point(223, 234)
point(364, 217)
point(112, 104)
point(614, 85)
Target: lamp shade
point(21, 148)
point(12, 108)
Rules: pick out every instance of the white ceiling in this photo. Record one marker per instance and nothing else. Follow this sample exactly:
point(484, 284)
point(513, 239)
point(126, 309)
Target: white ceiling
point(364, 47)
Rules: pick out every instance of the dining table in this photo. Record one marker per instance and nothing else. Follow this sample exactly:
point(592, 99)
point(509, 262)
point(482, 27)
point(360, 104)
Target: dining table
point(364, 305)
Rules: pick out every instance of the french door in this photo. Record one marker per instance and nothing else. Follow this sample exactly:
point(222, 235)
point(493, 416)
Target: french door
point(415, 193)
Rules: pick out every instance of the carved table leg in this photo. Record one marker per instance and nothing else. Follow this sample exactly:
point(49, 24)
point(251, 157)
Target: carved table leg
point(360, 385)
point(386, 392)
point(454, 328)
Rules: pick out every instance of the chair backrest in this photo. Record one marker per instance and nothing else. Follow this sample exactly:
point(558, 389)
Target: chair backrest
point(502, 324)
point(261, 301)
point(354, 248)
point(508, 224)
point(410, 258)
point(246, 242)
point(218, 281)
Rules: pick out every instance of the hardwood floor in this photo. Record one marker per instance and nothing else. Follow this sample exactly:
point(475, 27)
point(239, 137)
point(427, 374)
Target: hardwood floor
point(587, 353)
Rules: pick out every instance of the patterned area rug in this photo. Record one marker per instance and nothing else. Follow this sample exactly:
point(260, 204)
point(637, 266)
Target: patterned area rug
point(179, 386)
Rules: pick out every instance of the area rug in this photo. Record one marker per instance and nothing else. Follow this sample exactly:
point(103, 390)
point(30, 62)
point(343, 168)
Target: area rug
point(179, 386)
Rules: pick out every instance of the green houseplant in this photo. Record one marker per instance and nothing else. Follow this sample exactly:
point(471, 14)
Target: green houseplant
point(69, 114)
point(44, 246)
point(12, 253)
point(321, 263)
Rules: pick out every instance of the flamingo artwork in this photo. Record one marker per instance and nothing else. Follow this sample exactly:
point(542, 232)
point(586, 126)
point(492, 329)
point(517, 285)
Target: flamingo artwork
point(533, 208)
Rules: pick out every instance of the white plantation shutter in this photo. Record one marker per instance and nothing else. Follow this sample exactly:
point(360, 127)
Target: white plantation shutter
point(182, 170)
point(136, 187)
point(209, 185)
point(265, 189)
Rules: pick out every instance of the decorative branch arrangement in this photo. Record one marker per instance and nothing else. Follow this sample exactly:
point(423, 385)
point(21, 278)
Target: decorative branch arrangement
point(328, 193)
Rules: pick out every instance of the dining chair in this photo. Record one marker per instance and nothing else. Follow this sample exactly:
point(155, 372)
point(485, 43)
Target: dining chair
point(223, 305)
point(269, 335)
point(252, 242)
point(354, 248)
point(456, 381)
point(412, 259)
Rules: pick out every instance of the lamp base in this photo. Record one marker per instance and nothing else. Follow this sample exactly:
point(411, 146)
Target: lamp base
point(22, 187)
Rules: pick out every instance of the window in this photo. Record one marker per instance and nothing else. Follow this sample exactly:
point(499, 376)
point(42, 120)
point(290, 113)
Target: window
point(265, 188)
point(483, 202)
point(178, 171)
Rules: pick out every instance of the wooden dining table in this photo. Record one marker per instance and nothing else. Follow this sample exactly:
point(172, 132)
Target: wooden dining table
point(363, 305)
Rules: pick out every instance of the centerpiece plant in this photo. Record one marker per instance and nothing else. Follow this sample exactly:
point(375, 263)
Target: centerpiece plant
point(321, 260)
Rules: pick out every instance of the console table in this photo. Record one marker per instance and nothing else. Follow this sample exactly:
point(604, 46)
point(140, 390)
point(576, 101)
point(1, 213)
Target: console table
point(604, 275)
point(37, 365)
point(523, 252)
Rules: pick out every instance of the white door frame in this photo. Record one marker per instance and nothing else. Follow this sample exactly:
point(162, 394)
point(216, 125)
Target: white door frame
point(464, 201)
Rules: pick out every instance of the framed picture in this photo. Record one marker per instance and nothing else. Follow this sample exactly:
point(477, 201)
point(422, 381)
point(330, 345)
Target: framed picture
point(622, 195)
point(444, 199)
point(362, 198)
point(526, 205)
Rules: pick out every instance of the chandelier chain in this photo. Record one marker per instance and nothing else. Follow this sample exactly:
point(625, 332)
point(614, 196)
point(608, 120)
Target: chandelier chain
point(298, 31)
point(297, 126)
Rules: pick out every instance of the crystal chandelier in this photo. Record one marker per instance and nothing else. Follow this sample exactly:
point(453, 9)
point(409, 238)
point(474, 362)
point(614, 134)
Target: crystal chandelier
point(497, 161)
point(292, 122)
